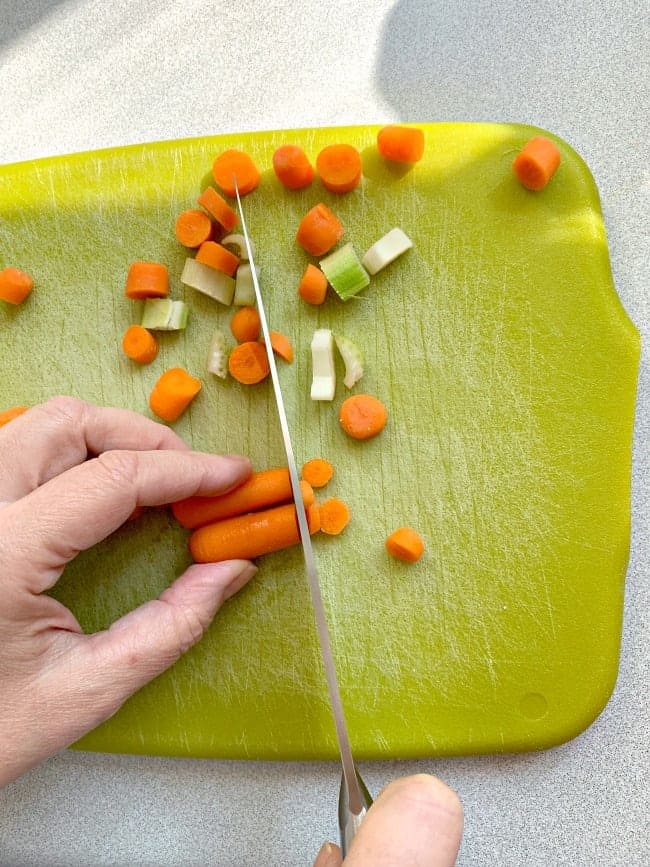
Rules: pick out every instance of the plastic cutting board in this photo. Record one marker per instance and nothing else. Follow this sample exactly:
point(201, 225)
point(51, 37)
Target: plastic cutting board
point(509, 369)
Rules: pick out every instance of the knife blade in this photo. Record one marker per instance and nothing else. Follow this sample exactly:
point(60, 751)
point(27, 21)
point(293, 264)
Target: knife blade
point(354, 799)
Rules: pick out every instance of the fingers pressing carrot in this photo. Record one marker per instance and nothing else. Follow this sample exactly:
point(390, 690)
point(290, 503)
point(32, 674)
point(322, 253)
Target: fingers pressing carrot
point(259, 491)
point(147, 280)
point(319, 230)
point(219, 208)
point(536, 163)
point(401, 144)
point(334, 516)
point(139, 345)
point(245, 324)
point(248, 363)
point(235, 164)
point(15, 285)
point(317, 472)
point(173, 393)
point(8, 415)
point(339, 168)
point(405, 544)
point(292, 167)
point(313, 285)
point(362, 416)
point(192, 228)
point(248, 536)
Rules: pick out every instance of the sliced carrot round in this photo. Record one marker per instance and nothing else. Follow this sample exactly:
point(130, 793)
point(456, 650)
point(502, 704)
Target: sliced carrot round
point(248, 363)
point(362, 416)
point(218, 257)
point(173, 393)
point(313, 285)
point(319, 230)
point(334, 516)
point(405, 544)
point(233, 164)
point(192, 228)
point(245, 324)
point(401, 144)
point(147, 280)
point(317, 472)
point(292, 167)
point(339, 167)
point(139, 345)
point(15, 285)
point(536, 163)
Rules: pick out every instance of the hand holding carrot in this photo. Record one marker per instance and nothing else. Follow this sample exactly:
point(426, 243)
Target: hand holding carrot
point(71, 474)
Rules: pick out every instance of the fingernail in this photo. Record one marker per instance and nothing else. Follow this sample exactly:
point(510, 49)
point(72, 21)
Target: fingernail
point(325, 849)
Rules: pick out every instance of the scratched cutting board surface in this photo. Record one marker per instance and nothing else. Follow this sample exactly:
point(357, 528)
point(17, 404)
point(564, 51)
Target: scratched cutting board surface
point(509, 369)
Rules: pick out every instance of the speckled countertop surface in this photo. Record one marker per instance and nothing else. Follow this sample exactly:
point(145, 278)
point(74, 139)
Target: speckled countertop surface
point(82, 74)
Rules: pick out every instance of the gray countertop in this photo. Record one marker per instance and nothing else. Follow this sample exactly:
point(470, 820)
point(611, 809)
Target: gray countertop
point(82, 74)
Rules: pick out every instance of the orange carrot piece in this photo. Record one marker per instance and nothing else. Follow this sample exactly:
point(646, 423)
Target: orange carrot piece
point(339, 167)
point(248, 536)
point(281, 346)
point(139, 345)
point(147, 280)
point(362, 416)
point(245, 324)
point(192, 228)
point(138, 512)
point(405, 544)
point(248, 362)
point(218, 207)
point(235, 163)
point(319, 230)
point(259, 491)
point(173, 393)
point(313, 285)
point(334, 516)
point(8, 415)
point(317, 472)
point(401, 144)
point(15, 285)
point(292, 167)
point(536, 163)
point(218, 257)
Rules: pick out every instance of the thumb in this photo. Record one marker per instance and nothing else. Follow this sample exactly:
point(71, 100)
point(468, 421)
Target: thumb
point(147, 640)
point(416, 820)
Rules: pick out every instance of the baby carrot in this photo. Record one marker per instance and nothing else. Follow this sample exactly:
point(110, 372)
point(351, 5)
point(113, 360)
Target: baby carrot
point(401, 144)
point(139, 345)
point(15, 285)
point(8, 415)
point(317, 472)
point(362, 416)
point(281, 346)
point(147, 280)
point(248, 536)
point(218, 207)
point(218, 257)
point(339, 167)
point(238, 164)
point(313, 285)
point(334, 516)
point(245, 324)
point(292, 167)
point(173, 393)
point(319, 230)
point(259, 491)
point(248, 362)
point(405, 544)
point(192, 228)
point(536, 163)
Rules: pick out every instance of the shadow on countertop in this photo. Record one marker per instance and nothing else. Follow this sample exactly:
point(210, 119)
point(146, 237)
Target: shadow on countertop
point(17, 16)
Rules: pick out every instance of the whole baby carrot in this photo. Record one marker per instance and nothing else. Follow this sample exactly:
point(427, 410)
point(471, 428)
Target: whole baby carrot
point(248, 536)
point(259, 491)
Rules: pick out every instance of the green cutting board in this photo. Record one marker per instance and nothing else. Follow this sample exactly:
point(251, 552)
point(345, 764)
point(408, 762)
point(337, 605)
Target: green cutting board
point(509, 369)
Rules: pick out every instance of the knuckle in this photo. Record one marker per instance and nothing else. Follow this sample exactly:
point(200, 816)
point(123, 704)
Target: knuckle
point(119, 467)
point(65, 407)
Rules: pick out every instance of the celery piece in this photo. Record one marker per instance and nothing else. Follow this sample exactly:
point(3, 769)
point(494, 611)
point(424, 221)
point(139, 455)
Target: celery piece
point(323, 371)
point(344, 272)
point(208, 280)
point(237, 243)
point(244, 288)
point(386, 250)
point(352, 358)
point(218, 355)
point(163, 314)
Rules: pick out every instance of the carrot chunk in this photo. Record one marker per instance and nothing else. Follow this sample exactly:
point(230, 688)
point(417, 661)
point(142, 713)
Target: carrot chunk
point(173, 393)
point(281, 346)
point(536, 163)
point(235, 164)
point(317, 472)
point(192, 228)
point(218, 208)
point(313, 285)
point(248, 363)
point(245, 324)
point(319, 230)
point(15, 285)
point(147, 280)
point(8, 415)
point(405, 544)
point(401, 144)
point(218, 257)
point(362, 416)
point(339, 167)
point(139, 345)
point(292, 167)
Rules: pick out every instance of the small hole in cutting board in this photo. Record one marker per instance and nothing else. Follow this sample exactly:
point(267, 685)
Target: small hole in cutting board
point(533, 705)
